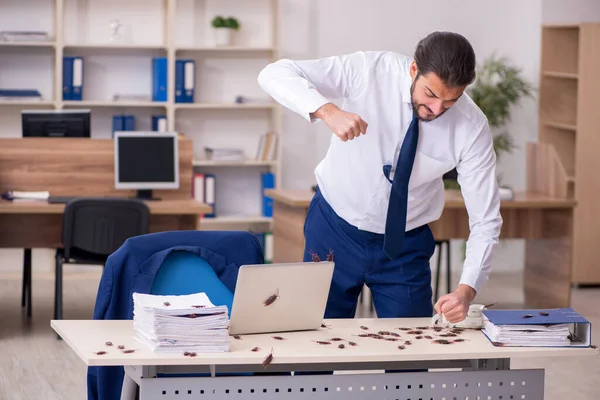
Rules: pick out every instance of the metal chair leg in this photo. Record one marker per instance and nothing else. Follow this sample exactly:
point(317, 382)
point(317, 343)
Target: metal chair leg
point(26, 287)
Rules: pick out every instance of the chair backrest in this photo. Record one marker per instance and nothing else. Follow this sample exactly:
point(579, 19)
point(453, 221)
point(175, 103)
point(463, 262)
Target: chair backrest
point(183, 272)
point(101, 225)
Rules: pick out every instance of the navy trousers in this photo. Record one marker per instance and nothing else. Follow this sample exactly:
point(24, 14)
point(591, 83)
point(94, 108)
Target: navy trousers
point(400, 288)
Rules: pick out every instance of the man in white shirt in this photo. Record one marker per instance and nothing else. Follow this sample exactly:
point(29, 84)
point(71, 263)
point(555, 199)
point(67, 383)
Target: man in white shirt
point(397, 114)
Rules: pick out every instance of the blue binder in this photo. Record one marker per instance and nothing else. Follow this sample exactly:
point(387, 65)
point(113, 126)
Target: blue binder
point(117, 124)
point(159, 79)
point(128, 123)
point(580, 327)
point(268, 182)
point(159, 123)
point(184, 80)
point(72, 78)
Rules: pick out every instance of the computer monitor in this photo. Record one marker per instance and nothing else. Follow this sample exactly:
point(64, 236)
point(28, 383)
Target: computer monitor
point(56, 123)
point(145, 161)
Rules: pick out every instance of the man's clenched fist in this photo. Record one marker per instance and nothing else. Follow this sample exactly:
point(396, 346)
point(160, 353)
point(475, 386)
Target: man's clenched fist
point(343, 124)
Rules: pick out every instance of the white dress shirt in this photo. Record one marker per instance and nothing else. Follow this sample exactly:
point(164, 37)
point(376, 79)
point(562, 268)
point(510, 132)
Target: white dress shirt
point(376, 86)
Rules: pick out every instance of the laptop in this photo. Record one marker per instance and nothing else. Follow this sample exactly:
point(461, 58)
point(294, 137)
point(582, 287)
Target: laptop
point(280, 297)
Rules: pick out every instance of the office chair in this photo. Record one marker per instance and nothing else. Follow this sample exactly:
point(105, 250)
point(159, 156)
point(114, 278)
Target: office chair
point(439, 244)
point(93, 228)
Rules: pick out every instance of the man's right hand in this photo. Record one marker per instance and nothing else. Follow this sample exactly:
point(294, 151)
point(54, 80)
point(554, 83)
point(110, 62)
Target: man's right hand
point(343, 124)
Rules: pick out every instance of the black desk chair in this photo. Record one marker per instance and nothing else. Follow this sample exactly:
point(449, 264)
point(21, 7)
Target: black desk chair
point(94, 228)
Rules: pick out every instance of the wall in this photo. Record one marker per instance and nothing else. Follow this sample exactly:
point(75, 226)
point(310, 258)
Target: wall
point(570, 11)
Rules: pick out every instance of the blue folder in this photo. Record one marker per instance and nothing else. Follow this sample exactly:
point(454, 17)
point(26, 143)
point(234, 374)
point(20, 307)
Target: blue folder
point(580, 327)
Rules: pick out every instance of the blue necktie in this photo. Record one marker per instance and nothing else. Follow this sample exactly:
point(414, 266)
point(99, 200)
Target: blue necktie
point(395, 224)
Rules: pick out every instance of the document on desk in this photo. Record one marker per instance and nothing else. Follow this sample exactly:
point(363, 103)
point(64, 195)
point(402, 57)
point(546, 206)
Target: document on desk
point(561, 327)
point(180, 323)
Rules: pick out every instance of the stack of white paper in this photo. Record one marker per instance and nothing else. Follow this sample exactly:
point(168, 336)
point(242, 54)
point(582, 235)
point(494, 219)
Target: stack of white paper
point(186, 323)
point(556, 335)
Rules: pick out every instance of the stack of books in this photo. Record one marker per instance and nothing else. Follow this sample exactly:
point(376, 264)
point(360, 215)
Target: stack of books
point(185, 323)
point(561, 327)
point(224, 154)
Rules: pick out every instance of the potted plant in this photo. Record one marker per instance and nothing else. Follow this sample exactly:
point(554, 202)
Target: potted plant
point(498, 87)
point(224, 28)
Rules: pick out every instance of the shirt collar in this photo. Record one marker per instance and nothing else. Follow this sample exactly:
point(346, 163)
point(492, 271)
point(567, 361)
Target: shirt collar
point(406, 84)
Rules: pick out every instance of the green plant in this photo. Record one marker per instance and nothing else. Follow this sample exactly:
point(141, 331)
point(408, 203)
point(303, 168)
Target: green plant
point(221, 22)
point(498, 87)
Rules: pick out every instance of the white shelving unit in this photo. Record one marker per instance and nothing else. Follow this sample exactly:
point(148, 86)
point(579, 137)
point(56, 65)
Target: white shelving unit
point(158, 28)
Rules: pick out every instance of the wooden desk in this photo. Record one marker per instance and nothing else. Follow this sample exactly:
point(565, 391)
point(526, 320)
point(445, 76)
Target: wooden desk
point(478, 361)
point(544, 222)
point(79, 167)
point(39, 224)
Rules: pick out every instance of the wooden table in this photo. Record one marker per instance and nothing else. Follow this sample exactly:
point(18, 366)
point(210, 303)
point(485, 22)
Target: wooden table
point(482, 365)
point(39, 224)
point(544, 222)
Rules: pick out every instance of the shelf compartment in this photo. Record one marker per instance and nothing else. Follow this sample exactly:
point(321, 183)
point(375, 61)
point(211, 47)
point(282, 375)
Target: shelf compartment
point(558, 100)
point(560, 48)
point(564, 147)
point(115, 104)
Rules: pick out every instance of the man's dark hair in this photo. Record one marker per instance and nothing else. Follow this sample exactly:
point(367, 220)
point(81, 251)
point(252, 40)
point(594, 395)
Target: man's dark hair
point(448, 55)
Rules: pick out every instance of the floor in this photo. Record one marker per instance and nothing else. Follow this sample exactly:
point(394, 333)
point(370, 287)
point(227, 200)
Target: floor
point(35, 365)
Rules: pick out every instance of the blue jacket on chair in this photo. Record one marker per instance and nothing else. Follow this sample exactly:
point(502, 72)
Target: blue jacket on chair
point(133, 268)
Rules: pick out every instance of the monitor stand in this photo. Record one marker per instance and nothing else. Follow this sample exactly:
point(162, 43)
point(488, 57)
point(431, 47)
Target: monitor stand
point(146, 195)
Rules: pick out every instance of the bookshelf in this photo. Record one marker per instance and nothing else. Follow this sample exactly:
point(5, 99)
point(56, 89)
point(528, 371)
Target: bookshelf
point(564, 161)
point(173, 29)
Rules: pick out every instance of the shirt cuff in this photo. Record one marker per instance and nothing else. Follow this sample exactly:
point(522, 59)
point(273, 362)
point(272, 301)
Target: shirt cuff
point(474, 279)
point(314, 101)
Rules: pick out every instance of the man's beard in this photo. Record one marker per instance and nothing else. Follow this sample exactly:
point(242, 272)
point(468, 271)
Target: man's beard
point(415, 106)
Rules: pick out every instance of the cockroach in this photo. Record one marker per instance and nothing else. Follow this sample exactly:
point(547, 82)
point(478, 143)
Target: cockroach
point(383, 332)
point(336, 339)
point(364, 328)
point(401, 347)
point(325, 326)
point(363, 335)
point(394, 334)
point(166, 304)
point(272, 298)
point(428, 337)
point(238, 337)
point(268, 359)
point(414, 332)
point(438, 328)
point(544, 314)
point(330, 255)
point(278, 337)
point(100, 353)
point(353, 344)
point(315, 256)
point(193, 315)
point(448, 335)
point(422, 328)
point(419, 337)
point(341, 345)
point(442, 341)
point(192, 354)
point(186, 353)
point(594, 346)
point(408, 343)
point(498, 344)
point(108, 343)
point(391, 339)
point(120, 347)
point(201, 306)
point(255, 349)
point(527, 316)
point(405, 329)
point(459, 340)
point(321, 342)
point(128, 351)
point(457, 330)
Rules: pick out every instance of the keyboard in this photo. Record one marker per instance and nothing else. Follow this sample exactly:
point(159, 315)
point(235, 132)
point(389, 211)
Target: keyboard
point(61, 199)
